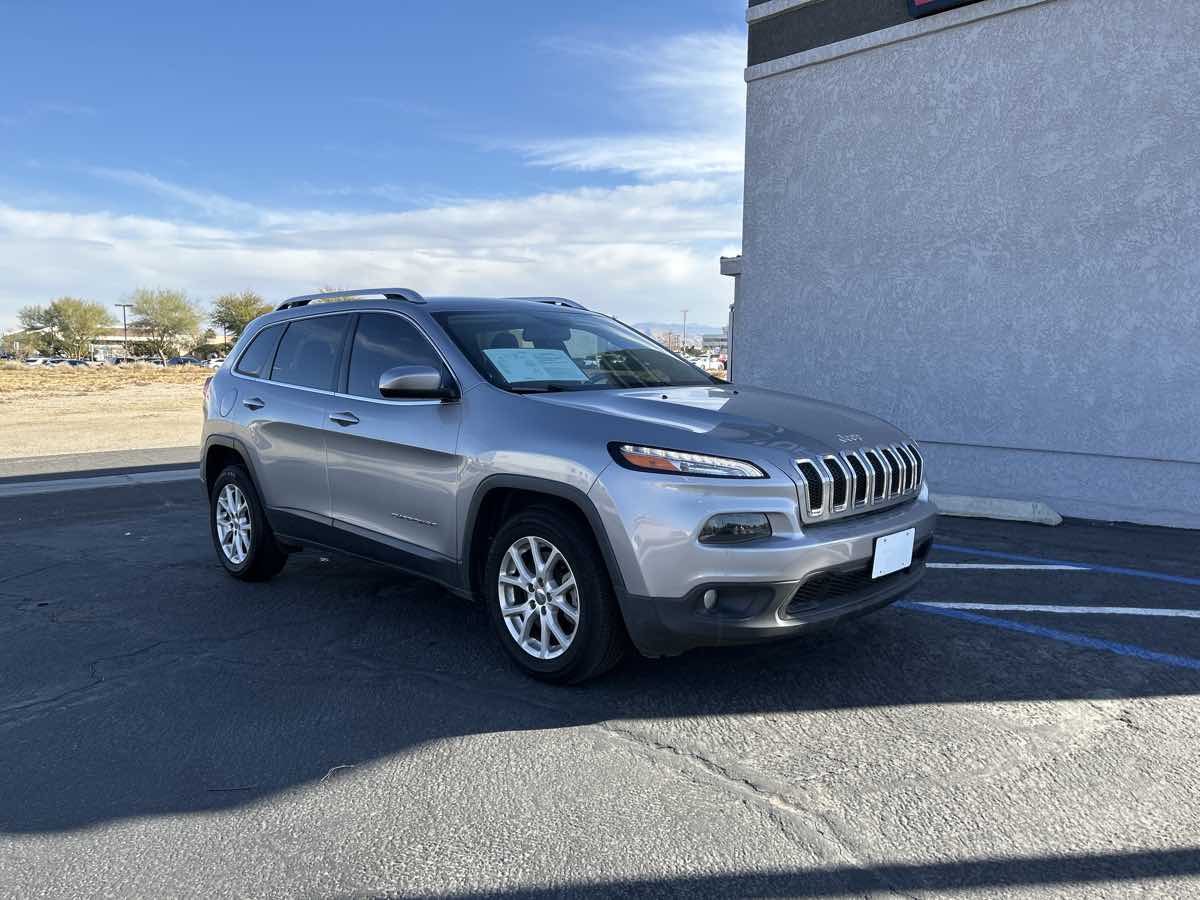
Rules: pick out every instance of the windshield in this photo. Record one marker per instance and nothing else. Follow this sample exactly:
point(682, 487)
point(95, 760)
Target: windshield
point(530, 350)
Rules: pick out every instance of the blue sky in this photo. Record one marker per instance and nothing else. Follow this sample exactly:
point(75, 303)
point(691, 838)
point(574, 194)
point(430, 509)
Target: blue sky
point(586, 149)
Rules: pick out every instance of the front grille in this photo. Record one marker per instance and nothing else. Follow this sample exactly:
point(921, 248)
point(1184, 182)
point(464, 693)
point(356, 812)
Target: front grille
point(855, 481)
point(842, 586)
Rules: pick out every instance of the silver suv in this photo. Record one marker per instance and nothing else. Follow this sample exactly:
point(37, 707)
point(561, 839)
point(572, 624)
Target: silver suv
point(594, 489)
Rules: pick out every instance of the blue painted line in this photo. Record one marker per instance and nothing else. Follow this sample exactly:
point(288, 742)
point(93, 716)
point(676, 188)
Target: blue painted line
point(1108, 570)
point(1066, 637)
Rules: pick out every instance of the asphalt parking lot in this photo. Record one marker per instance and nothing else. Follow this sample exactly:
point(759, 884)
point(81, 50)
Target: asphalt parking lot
point(345, 731)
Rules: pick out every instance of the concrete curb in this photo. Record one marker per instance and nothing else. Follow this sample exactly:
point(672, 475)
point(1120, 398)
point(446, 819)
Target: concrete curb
point(96, 463)
point(59, 485)
point(996, 508)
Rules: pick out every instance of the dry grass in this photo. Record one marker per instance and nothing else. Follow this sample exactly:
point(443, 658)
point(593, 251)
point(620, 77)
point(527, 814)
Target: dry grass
point(46, 411)
point(57, 381)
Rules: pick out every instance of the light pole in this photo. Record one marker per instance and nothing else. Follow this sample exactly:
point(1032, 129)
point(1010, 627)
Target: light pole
point(125, 325)
point(683, 340)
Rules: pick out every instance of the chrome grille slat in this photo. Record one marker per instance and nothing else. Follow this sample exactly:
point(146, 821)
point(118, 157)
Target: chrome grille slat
point(809, 472)
point(879, 471)
point(827, 487)
point(902, 461)
point(916, 452)
point(860, 479)
point(847, 476)
point(910, 480)
point(870, 470)
point(885, 475)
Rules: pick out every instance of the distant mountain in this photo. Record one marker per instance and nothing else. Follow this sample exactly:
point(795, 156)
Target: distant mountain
point(677, 327)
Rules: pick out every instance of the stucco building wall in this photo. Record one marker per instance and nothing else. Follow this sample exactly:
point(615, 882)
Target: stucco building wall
point(985, 227)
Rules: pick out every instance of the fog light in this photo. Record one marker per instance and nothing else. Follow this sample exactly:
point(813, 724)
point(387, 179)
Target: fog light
point(735, 528)
point(710, 598)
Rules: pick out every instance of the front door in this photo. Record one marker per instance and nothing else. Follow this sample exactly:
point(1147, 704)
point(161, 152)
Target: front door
point(393, 464)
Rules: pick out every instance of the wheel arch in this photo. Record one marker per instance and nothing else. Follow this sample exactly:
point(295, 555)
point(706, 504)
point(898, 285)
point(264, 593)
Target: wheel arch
point(221, 451)
point(499, 496)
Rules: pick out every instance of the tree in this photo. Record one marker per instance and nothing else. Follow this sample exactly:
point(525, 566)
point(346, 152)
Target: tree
point(167, 319)
point(71, 325)
point(233, 312)
point(34, 338)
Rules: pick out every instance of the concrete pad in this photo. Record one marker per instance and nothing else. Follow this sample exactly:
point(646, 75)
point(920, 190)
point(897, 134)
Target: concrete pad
point(996, 508)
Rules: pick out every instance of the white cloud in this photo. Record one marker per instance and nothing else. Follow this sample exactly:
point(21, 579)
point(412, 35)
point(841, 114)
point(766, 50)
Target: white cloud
point(622, 250)
point(690, 97)
point(648, 156)
point(205, 201)
point(640, 251)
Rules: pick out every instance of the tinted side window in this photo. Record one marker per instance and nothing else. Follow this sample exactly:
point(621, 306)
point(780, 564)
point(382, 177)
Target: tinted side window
point(308, 353)
point(383, 342)
point(258, 355)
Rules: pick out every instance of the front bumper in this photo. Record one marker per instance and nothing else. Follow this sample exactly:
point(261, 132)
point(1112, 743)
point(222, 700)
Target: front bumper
point(801, 578)
point(752, 613)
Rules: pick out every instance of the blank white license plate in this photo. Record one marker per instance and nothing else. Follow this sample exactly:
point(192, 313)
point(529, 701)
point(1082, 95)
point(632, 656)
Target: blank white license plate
point(893, 552)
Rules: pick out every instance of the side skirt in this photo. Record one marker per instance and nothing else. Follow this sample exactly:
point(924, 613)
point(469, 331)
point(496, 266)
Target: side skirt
point(294, 527)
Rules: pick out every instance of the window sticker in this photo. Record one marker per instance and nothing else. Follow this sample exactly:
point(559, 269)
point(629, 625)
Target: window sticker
point(530, 364)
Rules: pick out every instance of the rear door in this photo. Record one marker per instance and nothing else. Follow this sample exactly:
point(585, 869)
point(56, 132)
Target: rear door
point(282, 402)
point(393, 464)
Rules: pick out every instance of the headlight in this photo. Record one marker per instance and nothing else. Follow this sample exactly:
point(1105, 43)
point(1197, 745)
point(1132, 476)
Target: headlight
point(655, 459)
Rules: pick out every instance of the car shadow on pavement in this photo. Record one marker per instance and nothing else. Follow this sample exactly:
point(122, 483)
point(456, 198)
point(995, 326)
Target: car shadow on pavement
point(1108, 869)
point(139, 680)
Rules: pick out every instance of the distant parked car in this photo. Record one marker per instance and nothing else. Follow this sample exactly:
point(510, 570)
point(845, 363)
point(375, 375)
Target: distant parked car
point(78, 363)
point(184, 361)
point(215, 363)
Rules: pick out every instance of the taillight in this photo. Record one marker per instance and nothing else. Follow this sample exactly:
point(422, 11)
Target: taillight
point(207, 387)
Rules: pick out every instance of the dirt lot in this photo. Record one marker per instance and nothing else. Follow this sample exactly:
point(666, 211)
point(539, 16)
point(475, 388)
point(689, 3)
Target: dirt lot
point(51, 411)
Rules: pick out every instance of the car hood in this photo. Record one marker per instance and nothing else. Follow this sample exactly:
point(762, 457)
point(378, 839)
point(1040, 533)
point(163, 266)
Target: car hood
point(780, 427)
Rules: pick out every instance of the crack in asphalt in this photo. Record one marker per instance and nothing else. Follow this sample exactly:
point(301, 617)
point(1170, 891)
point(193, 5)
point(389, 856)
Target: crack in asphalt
point(784, 813)
point(18, 713)
point(19, 575)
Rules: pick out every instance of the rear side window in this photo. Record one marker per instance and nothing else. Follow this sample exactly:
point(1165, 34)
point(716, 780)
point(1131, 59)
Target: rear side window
point(258, 355)
point(383, 342)
point(308, 353)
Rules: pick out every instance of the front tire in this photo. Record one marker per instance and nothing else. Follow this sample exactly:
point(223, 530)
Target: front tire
point(550, 598)
point(243, 538)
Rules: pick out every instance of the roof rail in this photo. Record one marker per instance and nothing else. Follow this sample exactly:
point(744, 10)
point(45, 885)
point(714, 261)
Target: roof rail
point(555, 301)
point(390, 293)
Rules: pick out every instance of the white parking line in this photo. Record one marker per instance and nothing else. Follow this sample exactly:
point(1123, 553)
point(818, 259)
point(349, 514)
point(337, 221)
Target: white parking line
point(1009, 567)
point(1069, 610)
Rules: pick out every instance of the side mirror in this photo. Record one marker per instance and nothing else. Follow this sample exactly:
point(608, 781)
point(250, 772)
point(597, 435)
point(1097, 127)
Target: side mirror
point(415, 383)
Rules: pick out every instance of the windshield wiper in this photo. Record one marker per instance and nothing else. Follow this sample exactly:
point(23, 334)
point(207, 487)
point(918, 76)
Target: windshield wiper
point(546, 389)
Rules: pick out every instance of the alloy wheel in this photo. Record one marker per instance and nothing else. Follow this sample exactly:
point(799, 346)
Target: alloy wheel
point(539, 599)
point(233, 524)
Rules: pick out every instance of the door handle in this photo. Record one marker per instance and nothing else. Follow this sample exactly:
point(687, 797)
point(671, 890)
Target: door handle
point(253, 403)
point(345, 419)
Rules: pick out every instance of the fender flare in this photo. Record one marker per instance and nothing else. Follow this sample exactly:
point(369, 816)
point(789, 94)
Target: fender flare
point(230, 443)
point(572, 495)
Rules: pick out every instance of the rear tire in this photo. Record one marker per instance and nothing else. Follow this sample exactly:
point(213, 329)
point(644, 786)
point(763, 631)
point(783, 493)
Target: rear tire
point(243, 538)
point(554, 633)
